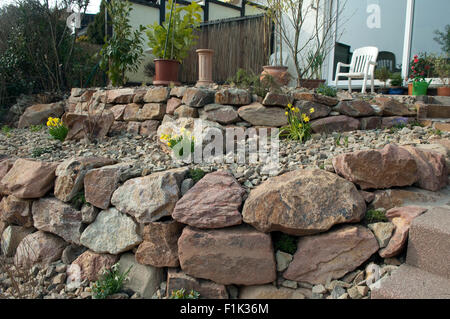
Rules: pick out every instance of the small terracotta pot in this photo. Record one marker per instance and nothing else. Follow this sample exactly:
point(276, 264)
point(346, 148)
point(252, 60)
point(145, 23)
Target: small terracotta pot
point(443, 91)
point(166, 72)
point(410, 87)
point(311, 84)
point(278, 72)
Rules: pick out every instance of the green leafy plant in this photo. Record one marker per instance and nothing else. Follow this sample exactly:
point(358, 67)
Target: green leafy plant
point(110, 282)
point(442, 69)
point(253, 82)
point(421, 68)
point(396, 79)
point(38, 151)
point(375, 216)
point(123, 50)
point(36, 128)
point(298, 127)
point(57, 129)
point(183, 294)
point(315, 61)
point(178, 143)
point(196, 174)
point(443, 38)
point(337, 140)
point(383, 74)
point(326, 90)
point(175, 37)
point(78, 200)
point(437, 132)
point(284, 242)
point(6, 130)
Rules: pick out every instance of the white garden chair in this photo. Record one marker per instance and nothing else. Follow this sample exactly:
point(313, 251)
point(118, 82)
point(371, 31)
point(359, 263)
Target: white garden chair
point(361, 67)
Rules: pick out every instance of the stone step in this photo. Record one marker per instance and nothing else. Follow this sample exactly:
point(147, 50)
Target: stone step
point(445, 100)
point(429, 111)
point(408, 282)
point(429, 242)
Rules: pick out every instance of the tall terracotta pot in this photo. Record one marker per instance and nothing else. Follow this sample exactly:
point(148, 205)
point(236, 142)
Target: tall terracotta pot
point(166, 72)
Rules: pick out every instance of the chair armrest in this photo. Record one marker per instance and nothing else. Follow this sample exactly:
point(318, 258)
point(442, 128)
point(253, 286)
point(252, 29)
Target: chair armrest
point(343, 64)
point(373, 63)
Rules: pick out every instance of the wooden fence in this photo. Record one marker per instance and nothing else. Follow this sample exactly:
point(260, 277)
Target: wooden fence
point(242, 42)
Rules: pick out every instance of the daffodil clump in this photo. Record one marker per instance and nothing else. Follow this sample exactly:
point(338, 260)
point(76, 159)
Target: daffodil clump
point(185, 140)
point(298, 127)
point(110, 282)
point(57, 129)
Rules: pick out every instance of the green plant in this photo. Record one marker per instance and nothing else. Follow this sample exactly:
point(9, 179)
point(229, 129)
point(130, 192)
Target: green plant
point(196, 174)
point(78, 200)
point(383, 74)
point(326, 90)
point(57, 129)
point(298, 127)
point(346, 141)
point(315, 61)
point(6, 130)
point(437, 132)
point(420, 68)
point(123, 51)
point(337, 140)
point(284, 242)
point(36, 128)
point(375, 216)
point(110, 282)
point(442, 69)
point(38, 151)
point(175, 37)
point(253, 82)
point(180, 142)
point(183, 294)
point(396, 79)
point(416, 123)
point(443, 38)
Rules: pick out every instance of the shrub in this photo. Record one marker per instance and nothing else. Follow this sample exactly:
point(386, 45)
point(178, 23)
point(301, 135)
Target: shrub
point(196, 174)
point(252, 82)
point(6, 129)
point(182, 294)
point(36, 128)
point(396, 79)
point(38, 151)
point(383, 74)
point(298, 127)
point(110, 282)
point(326, 90)
point(284, 242)
point(375, 216)
point(57, 129)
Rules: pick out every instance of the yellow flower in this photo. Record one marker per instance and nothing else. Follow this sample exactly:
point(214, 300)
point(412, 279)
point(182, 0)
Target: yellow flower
point(306, 119)
point(289, 105)
point(182, 130)
point(297, 110)
point(300, 125)
point(169, 144)
point(286, 113)
point(311, 110)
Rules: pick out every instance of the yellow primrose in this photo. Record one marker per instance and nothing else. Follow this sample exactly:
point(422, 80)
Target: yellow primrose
point(297, 110)
point(289, 105)
point(311, 110)
point(286, 113)
point(169, 144)
point(300, 125)
point(306, 119)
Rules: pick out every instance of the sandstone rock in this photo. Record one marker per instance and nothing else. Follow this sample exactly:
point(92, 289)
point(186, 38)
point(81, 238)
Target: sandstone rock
point(151, 111)
point(3, 226)
point(223, 114)
point(392, 107)
point(258, 114)
point(39, 248)
point(82, 125)
point(388, 122)
point(390, 166)
point(139, 94)
point(157, 95)
point(54, 216)
point(283, 260)
point(382, 232)
point(70, 175)
point(196, 97)
point(131, 112)
point(391, 198)
point(320, 110)
point(402, 218)
point(151, 197)
point(142, 279)
point(331, 255)
point(160, 247)
point(118, 111)
point(431, 169)
point(277, 99)
point(5, 166)
point(29, 179)
point(178, 91)
point(72, 252)
point(371, 123)
point(238, 255)
point(269, 292)
point(134, 127)
point(100, 183)
point(317, 98)
point(17, 211)
point(220, 208)
point(185, 111)
point(172, 105)
point(117, 128)
point(88, 213)
point(120, 96)
point(39, 114)
point(340, 123)
point(149, 127)
point(176, 279)
point(11, 238)
point(321, 199)
point(97, 236)
point(233, 96)
point(355, 108)
point(186, 185)
point(368, 196)
point(89, 265)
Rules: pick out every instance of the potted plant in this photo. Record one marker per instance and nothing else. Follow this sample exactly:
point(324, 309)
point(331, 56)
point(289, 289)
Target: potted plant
point(419, 67)
point(383, 74)
point(276, 69)
point(442, 69)
point(396, 82)
point(171, 41)
point(314, 79)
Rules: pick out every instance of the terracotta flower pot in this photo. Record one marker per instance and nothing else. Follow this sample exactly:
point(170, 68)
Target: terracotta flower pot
point(311, 84)
point(410, 87)
point(166, 72)
point(443, 91)
point(278, 72)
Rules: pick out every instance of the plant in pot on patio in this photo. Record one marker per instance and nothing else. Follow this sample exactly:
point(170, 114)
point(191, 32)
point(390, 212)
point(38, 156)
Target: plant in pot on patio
point(419, 68)
point(171, 41)
point(314, 79)
point(383, 74)
point(442, 69)
point(396, 82)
